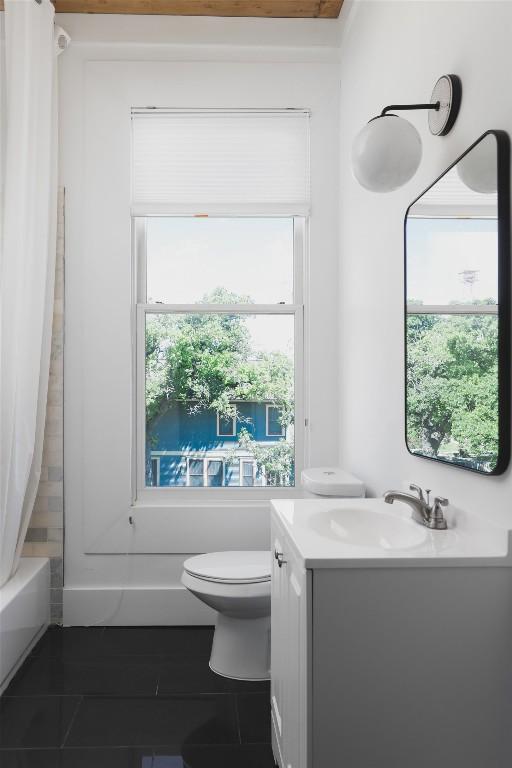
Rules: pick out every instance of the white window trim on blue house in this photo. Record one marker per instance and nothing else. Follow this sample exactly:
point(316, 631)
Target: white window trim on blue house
point(267, 429)
point(156, 459)
point(248, 460)
point(233, 426)
point(206, 461)
point(148, 494)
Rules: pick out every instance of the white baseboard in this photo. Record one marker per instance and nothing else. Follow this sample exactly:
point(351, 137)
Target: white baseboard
point(84, 607)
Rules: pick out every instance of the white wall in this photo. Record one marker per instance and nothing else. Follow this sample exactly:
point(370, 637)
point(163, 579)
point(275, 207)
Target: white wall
point(393, 52)
point(114, 63)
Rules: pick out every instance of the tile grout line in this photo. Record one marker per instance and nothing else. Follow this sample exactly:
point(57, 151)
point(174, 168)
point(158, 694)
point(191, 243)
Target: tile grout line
point(157, 659)
point(237, 713)
point(73, 718)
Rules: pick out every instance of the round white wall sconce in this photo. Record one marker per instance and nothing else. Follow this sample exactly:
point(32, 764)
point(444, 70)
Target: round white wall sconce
point(387, 151)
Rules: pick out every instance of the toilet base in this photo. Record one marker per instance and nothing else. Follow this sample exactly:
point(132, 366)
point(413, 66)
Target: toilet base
point(241, 648)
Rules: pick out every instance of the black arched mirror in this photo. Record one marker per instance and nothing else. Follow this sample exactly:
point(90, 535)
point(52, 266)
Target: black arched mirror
point(457, 312)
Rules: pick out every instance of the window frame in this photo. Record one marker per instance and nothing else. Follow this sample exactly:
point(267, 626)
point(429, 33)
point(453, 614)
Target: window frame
point(233, 426)
point(267, 431)
point(206, 475)
point(144, 495)
point(247, 460)
point(157, 460)
point(189, 459)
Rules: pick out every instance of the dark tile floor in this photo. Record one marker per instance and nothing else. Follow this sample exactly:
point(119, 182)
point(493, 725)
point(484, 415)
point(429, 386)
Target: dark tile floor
point(131, 697)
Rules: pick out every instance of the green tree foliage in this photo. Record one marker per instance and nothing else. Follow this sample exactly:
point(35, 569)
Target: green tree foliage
point(206, 360)
point(452, 384)
point(275, 460)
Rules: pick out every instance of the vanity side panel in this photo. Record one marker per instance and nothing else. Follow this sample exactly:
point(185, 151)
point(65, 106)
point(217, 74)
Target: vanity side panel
point(412, 668)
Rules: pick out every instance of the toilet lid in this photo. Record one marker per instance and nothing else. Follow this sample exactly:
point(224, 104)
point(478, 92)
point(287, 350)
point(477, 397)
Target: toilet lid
point(235, 567)
point(331, 481)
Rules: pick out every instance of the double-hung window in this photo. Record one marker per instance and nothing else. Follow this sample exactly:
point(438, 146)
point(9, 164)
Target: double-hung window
point(220, 206)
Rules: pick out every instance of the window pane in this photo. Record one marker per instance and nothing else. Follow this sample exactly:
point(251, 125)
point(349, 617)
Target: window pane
point(195, 471)
point(154, 472)
point(200, 365)
point(220, 261)
point(452, 388)
point(452, 261)
point(274, 421)
point(247, 473)
point(227, 426)
point(215, 473)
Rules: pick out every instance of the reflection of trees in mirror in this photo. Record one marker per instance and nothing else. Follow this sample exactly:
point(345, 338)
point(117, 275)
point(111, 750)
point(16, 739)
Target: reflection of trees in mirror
point(206, 361)
point(452, 388)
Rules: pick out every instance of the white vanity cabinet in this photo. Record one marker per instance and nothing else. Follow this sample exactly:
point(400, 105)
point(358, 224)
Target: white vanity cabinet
point(291, 626)
point(388, 662)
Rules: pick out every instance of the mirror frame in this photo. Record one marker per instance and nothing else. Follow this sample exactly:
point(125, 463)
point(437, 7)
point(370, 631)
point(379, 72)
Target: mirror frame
point(504, 300)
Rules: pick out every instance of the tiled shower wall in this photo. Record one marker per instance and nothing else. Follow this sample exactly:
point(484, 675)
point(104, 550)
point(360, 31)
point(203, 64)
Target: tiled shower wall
point(46, 530)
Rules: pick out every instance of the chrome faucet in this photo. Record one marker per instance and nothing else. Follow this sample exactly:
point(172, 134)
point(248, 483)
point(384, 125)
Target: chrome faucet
point(423, 512)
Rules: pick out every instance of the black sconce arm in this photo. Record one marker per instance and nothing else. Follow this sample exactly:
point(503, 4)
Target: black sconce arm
point(435, 106)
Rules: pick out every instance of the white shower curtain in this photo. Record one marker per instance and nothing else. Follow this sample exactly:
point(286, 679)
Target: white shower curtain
point(28, 207)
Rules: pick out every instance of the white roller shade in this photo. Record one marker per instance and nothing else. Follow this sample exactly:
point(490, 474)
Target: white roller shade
point(220, 162)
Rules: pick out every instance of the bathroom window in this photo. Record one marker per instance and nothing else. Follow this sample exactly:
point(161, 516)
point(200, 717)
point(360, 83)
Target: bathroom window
point(220, 201)
point(219, 351)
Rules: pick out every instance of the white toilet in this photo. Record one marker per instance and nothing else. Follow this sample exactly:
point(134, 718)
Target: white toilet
point(331, 481)
point(237, 586)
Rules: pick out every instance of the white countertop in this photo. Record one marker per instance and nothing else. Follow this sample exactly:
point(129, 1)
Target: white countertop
point(470, 541)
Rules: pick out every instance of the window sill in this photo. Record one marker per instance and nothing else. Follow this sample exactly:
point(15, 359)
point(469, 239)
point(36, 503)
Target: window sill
point(209, 497)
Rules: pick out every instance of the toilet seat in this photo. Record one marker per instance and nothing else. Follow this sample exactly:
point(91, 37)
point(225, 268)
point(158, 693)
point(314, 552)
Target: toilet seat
point(230, 567)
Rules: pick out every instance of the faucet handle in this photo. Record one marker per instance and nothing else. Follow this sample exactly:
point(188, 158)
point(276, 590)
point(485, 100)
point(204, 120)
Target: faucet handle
point(418, 490)
point(437, 519)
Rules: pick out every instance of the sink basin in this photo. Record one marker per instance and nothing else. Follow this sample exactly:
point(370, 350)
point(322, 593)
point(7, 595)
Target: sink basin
point(369, 528)
point(368, 533)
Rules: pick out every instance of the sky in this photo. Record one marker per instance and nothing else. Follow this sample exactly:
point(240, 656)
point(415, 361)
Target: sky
point(439, 250)
point(189, 257)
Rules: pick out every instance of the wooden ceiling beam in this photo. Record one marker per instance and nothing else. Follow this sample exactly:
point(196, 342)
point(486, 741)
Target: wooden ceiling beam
point(289, 9)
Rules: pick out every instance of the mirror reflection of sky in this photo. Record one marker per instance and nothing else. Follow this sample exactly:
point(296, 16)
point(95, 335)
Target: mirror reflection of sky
point(452, 260)
point(189, 257)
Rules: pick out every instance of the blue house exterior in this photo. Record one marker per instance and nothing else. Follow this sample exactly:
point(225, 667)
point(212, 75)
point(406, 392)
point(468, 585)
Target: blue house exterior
point(200, 449)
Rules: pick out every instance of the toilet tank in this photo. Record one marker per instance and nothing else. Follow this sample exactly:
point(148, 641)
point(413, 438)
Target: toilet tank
point(331, 481)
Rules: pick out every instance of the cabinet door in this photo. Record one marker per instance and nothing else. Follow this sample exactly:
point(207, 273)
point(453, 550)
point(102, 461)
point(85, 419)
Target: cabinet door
point(290, 667)
point(278, 644)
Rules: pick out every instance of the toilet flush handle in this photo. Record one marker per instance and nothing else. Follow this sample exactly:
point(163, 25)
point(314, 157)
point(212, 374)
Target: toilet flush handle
point(280, 559)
